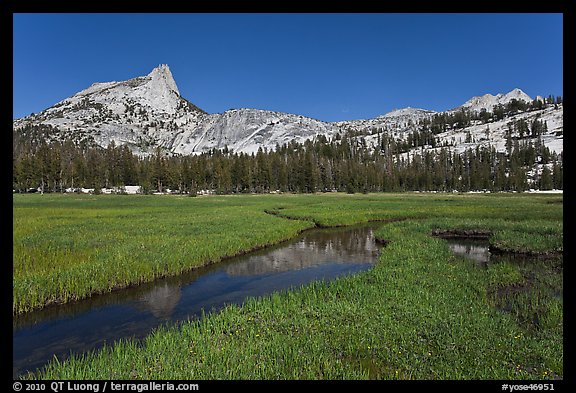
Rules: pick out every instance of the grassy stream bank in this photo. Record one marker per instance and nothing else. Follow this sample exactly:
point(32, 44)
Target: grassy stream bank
point(420, 313)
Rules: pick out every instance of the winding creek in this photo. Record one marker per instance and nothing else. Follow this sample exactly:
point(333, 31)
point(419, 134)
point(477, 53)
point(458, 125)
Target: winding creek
point(318, 254)
point(133, 313)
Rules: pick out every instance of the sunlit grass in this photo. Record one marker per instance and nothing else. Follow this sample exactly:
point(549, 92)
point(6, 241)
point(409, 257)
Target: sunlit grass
point(420, 313)
point(75, 246)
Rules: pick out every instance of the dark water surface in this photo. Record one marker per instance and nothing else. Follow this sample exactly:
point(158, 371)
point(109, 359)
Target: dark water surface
point(132, 313)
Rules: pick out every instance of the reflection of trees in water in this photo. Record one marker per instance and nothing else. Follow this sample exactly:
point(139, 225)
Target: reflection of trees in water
point(356, 246)
point(86, 328)
point(161, 300)
point(478, 253)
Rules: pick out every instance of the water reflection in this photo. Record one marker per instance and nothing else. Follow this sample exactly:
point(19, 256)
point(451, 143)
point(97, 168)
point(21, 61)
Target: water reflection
point(134, 312)
point(532, 301)
point(161, 300)
point(472, 249)
point(310, 251)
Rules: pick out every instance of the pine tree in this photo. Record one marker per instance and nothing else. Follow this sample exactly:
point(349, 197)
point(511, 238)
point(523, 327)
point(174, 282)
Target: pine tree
point(557, 176)
point(546, 181)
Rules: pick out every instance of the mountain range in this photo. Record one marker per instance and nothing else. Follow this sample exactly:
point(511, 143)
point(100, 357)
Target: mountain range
point(148, 112)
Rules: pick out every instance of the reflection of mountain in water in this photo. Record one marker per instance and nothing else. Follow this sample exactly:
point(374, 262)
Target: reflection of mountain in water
point(87, 325)
point(356, 246)
point(161, 300)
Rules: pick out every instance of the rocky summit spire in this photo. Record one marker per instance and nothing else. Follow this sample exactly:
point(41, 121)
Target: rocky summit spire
point(148, 112)
point(162, 75)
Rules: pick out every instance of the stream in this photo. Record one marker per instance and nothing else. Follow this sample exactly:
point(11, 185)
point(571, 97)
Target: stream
point(79, 327)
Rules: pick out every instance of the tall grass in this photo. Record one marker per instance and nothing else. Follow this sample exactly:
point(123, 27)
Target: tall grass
point(420, 313)
point(68, 248)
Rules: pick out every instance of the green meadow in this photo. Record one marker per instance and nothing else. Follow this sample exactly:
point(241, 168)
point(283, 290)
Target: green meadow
point(419, 313)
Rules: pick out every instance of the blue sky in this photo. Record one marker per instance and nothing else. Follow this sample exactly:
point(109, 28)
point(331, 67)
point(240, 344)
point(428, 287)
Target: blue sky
point(334, 66)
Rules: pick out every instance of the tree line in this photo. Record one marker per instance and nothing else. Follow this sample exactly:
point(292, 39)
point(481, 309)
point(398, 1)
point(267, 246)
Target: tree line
point(345, 163)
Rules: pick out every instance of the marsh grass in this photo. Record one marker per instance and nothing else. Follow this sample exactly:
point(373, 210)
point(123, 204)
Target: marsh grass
point(534, 297)
point(420, 313)
point(77, 247)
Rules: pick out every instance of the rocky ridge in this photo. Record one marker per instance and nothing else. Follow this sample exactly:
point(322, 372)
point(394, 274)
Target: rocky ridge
point(148, 112)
